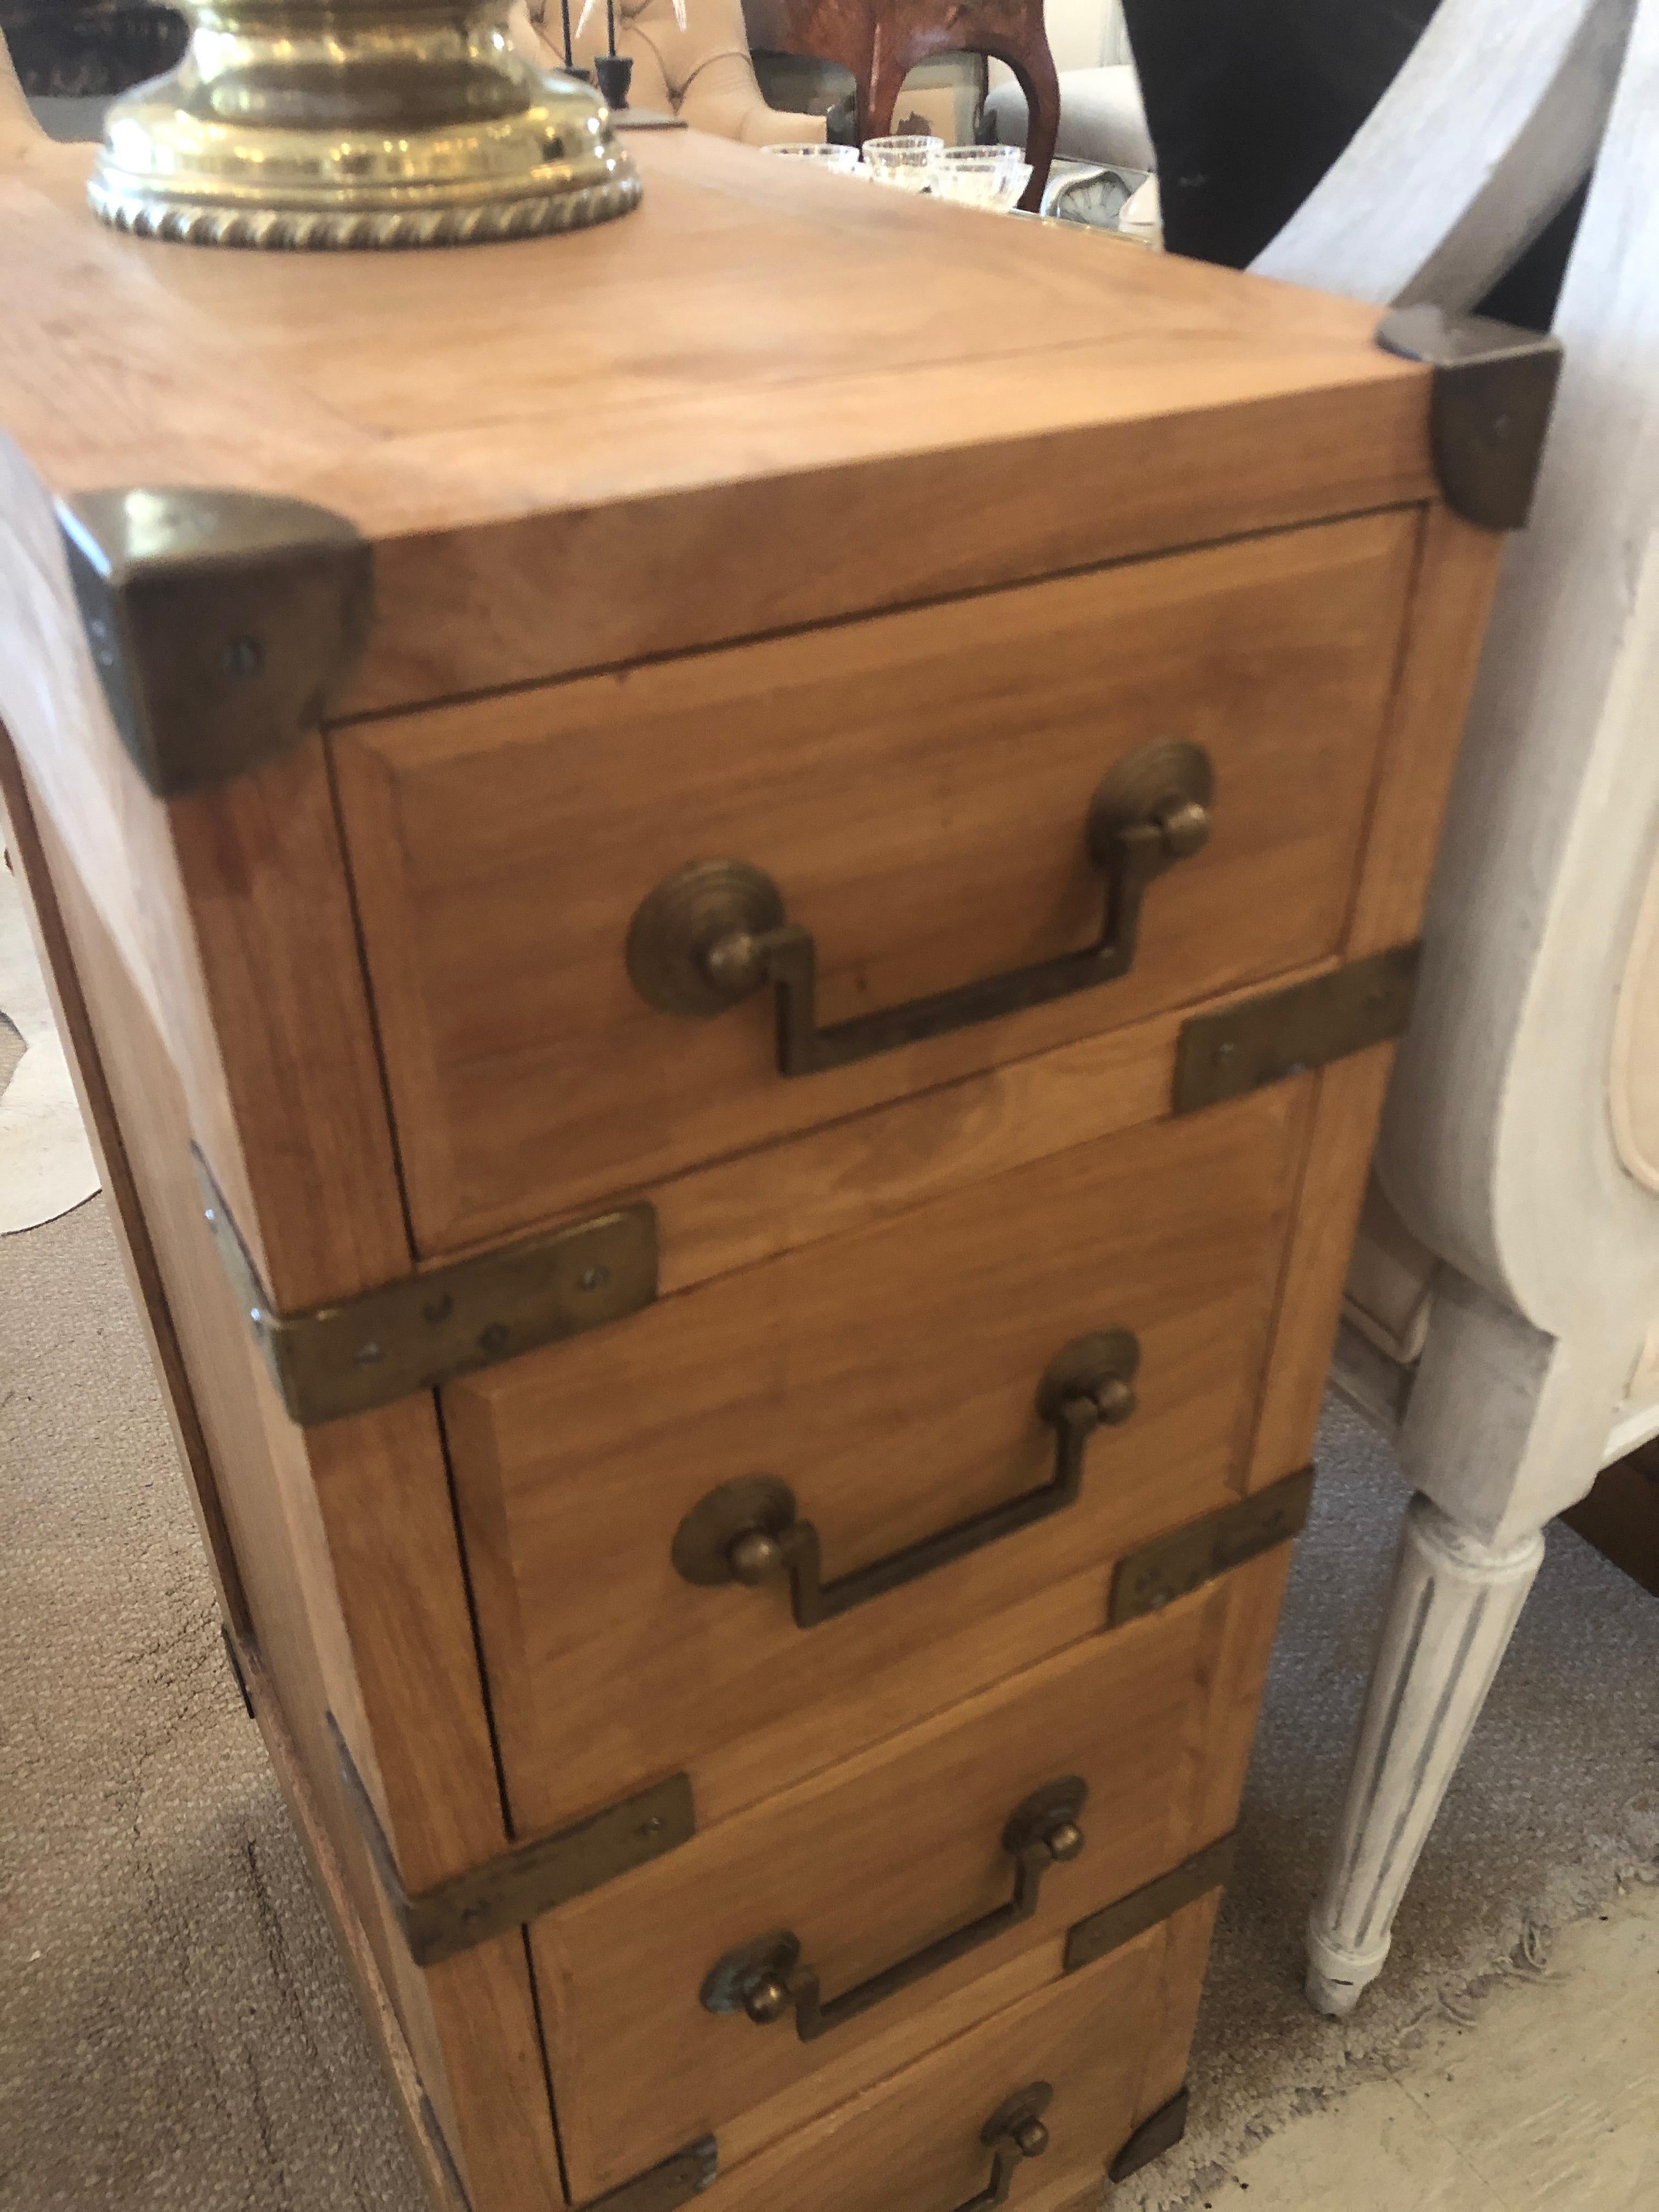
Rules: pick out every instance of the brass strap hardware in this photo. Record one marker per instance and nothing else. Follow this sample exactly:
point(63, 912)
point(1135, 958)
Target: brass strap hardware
point(1286, 1032)
point(1171, 1565)
point(412, 1335)
point(1015, 2132)
point(667, 2186)
point(748, 1530)
point(766, 1979)
point(1494, 390)
point(1151, 2138)
point(1115, 1925)
point(717, 932)
point(219, 622)
point(522, 1884)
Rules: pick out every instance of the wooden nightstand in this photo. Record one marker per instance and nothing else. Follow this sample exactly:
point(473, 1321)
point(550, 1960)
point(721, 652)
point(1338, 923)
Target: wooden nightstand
point(735, 996)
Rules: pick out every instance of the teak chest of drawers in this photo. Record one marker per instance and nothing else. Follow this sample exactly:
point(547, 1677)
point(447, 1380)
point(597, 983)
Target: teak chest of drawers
point(735, 993)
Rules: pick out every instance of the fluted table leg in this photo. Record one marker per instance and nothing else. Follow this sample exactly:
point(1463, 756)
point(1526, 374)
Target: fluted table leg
point(1452, 1609)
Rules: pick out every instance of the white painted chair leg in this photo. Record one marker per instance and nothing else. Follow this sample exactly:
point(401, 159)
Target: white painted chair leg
point(1451, 1611)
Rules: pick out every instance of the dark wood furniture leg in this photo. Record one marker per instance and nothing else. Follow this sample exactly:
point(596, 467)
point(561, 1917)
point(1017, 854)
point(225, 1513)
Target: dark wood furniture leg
point(881, 41)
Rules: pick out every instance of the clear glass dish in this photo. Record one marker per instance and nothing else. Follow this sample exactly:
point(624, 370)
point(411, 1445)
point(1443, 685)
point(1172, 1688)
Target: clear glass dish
point(905, 162)
point(839, 161)
point(979, 176)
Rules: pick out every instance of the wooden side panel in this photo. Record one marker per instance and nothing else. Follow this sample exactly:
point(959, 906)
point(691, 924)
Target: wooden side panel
point(1347, 1105)
point(917, 788)
point(260, 866)
point(1185, 1953)
point(134, 1242)
point(1455, 575)
point(361, 1950)
point(353, 1505)
point(221, 930)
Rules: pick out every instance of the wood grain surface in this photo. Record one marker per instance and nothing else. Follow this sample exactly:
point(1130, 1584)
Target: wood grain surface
point(911, 2143)
point(889, 1376)
point(350, 1573)
point(880, 1855)
point(917, 788)
point(758, 403)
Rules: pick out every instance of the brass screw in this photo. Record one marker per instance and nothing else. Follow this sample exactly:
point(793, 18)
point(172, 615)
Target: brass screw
point(1186, 827)
point(1030, 2139)
point(767, 2000)
point(1114, 1400)
point(1064, 1841)
point(755, 1556)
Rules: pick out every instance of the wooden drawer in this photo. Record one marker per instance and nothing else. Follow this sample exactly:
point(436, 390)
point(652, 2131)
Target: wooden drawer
point(918, 790)
point(1139, 1737)
point(1110, 2044)
point(891, 1377)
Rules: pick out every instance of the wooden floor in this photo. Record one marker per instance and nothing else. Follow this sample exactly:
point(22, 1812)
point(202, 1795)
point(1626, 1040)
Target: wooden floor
point(1551, 2099)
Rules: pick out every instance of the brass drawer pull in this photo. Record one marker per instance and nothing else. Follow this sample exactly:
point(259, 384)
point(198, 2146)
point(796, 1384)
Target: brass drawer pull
point(1015, 2132)
point(748, 1530)
point(766, 1979)
point(716, 930)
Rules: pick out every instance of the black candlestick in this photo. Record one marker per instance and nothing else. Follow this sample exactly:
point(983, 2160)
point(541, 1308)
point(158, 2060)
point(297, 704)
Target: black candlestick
point(611, 24)
point(613, 72)
point(564, 12)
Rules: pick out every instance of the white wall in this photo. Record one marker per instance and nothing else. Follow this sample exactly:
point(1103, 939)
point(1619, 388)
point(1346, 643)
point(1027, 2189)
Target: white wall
point(1083, 33)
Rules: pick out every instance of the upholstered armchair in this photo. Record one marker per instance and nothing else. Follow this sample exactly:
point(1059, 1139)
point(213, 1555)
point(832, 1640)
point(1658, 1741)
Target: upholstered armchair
point(1505, 1299)
point(702, 74)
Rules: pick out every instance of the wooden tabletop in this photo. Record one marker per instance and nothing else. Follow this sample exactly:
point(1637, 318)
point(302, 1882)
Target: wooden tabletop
point(768, 398)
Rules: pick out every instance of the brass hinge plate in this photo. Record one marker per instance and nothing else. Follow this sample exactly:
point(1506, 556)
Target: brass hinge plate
point(1114, 1926)
point(1170, 1566)
point(1286, 1032)
point(220, 623)
point(1494, 390)
point(412, 1335)
point(667, 2186)
point(520, 1885)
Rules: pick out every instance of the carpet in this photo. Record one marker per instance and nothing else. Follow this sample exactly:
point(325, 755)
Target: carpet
point(177, 2035)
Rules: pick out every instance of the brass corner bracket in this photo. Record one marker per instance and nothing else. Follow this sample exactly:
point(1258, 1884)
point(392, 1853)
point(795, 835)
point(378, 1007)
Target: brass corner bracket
point(221, 622)
point(1173, 1565)
point(1494, 388)
point(1284, 1032)
point(520, 1885)
point(426, 1330)
point(1162, 2132)
point(665, 2188)
point(1115, 1925)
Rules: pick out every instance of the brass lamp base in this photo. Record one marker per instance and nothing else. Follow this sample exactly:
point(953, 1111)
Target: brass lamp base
point(362, 123)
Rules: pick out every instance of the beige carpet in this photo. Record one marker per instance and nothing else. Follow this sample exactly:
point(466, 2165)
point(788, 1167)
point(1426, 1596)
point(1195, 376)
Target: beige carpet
point(176, 2035)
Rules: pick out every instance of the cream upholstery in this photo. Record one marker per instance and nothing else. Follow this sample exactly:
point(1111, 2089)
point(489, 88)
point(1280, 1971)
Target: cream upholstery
point(1635, 1072)
point(1390, 1289)
point(702, 74)
point(1101, 117)
point(1390, 1281)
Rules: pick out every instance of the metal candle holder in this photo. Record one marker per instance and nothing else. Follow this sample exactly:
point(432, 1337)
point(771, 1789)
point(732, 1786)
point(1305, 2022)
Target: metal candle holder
point(356, 123)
